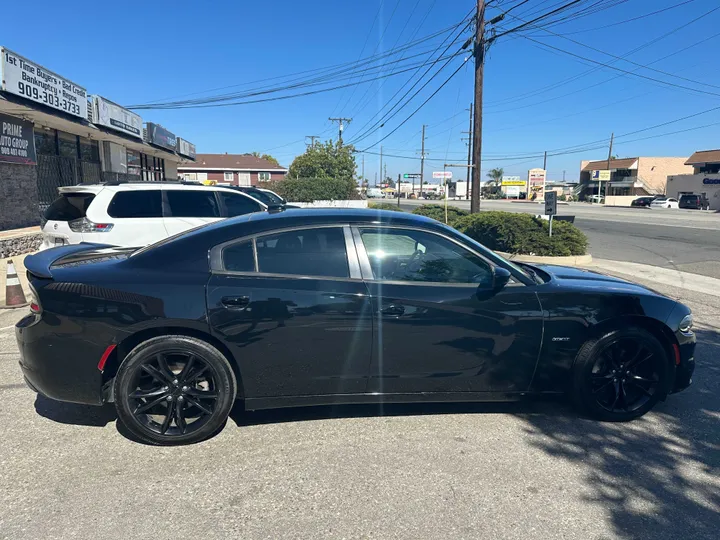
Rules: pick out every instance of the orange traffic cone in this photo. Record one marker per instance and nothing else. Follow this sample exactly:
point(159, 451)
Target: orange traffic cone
point(14, 295)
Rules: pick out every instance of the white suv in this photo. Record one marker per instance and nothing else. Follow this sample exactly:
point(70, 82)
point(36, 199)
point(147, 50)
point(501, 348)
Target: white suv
point(138, 214)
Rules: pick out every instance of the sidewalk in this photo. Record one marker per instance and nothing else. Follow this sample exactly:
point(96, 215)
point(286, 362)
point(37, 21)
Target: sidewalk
point(12, 233)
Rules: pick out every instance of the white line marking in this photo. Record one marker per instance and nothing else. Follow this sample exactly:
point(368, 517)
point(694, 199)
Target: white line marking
point(7, 328)
point(12, 281)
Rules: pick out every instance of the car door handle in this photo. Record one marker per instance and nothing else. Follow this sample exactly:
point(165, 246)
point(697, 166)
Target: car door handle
point(235, 302)
point(393, 310)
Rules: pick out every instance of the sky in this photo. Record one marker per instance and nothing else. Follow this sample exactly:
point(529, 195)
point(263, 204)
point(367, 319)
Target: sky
point(535, 98)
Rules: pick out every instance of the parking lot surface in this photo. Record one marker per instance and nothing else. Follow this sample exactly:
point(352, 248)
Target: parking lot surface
point(528, 470)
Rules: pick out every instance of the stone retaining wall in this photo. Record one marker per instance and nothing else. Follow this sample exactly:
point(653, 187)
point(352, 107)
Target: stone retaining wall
point(11, 247)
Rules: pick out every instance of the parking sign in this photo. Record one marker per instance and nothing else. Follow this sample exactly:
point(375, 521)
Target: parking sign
point(550, 203)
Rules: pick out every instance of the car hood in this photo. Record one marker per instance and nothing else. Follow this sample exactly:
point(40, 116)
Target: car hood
point(578, 278)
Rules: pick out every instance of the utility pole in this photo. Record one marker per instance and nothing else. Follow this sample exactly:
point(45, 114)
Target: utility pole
point(545, 163)
point(362, 183)
point(381, 167)
point(384, 174)
point(563, 177)
point(341, 127)
point(312, 139)
point(468, 178)
point(422, 159)
point(479, 54)
point(612, 136)
point(397, 189)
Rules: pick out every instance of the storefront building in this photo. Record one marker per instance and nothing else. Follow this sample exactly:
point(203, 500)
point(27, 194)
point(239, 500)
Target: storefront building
point(704, 180)
point(54, 134)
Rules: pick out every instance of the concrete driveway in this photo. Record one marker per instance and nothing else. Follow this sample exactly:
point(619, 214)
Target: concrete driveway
point(533, 470)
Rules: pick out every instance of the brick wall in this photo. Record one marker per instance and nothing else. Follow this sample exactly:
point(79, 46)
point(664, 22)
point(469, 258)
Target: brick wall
point(655, 170)
point(18, 196)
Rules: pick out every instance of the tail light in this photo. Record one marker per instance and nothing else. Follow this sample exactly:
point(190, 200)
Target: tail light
point(84, 225)
point(34, 302)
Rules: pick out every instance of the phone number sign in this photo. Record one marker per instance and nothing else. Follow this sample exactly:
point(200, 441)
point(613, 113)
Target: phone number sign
point(28, 80)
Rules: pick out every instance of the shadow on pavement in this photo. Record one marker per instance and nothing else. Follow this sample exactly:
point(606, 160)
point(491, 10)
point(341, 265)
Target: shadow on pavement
point(658, 476)
point(73, 413)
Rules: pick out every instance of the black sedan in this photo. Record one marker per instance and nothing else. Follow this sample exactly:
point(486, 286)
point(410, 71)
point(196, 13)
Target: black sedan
point(643, 202)
point(308, 307)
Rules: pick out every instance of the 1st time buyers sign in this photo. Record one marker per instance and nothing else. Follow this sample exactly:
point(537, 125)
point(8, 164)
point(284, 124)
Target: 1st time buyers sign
point(17, 140)
point(28, 80)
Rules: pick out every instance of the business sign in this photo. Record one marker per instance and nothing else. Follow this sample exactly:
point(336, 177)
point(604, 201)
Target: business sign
point(17, 141)
point(711, 181)
point(30, 81)
point(185, 148)
point(109, 114)
point(513, 191)
point(160, 136)
point(411, 175)
point(512, 181)
point(602, 176)
point(550, 203)
point(536, 182)
point(442, 174)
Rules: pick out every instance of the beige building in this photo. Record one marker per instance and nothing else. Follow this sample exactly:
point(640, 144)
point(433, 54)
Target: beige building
point(703, 180)
point(630, 177)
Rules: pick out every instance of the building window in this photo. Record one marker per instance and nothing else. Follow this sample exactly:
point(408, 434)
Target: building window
point(133, 163)
point(67, 145)
point(45, 141)
point(228, 177)
point(264, 176)
point(89, 150)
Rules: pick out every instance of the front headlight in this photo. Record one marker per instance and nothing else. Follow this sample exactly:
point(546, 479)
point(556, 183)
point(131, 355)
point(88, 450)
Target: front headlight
point(686, 324)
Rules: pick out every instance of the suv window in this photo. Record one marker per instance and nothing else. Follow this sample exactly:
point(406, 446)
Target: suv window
point(192, 203)
point(407, 255)
point(69, 206)
point(136, 204)
point(309, 252)
point(237, 204)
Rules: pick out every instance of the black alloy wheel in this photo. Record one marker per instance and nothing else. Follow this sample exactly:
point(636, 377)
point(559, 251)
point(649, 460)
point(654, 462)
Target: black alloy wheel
point(174, 390)
point(622, 375)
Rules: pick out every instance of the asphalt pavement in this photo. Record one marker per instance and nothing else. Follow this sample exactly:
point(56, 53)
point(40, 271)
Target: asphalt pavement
point(528, 470)
point(686, 240)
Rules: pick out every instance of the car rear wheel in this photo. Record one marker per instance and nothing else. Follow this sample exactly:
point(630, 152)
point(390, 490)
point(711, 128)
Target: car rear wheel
point(621, 376)
point(174, 390)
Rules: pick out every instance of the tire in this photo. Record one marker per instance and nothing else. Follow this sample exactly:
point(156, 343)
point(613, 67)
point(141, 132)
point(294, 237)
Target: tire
point(172, 390)
point(621, 375)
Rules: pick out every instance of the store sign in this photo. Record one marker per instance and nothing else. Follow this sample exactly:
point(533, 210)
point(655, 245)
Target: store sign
point(513, 191)
point(711, 181)
point(512, 181)
point(30, 81)
point(602, 176)
point(113, 116)
point(442, 174)
point(17, 141)
point(536, 182)
point(185, 148)
point(160, 136)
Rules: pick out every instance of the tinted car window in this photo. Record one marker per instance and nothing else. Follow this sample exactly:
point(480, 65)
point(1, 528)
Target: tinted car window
point(405, 255)
point(237, 205)
point(136, 204)
point(310, 252)
point(69, 206)
point(192, 203)
point(239, 257)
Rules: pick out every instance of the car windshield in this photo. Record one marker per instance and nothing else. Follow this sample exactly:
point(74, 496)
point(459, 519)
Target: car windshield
point(266, 197)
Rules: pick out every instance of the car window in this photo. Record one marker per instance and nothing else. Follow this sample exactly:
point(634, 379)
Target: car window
point(136, 204)
point(308, 252)
point(237, 204)
point(193, 203)
point(239, 257)
point(407, 255)
point(69, 206)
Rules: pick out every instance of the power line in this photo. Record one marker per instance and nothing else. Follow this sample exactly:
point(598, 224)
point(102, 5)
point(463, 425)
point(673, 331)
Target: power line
point(545, 15)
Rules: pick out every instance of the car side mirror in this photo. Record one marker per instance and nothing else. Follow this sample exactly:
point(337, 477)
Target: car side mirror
point(500, 278)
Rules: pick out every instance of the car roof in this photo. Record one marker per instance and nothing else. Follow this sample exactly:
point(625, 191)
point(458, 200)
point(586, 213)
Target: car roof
point(137, 186)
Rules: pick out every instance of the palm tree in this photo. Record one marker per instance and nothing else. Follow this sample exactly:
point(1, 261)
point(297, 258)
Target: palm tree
point(496, 176)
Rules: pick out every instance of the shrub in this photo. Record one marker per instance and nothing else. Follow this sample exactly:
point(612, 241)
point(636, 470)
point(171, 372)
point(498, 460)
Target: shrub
point(523, 234)
point(315, 189)
point(437, 211)
point(385, 206)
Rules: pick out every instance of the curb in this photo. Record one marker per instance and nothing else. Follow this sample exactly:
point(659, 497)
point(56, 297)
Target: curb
point(573, 260)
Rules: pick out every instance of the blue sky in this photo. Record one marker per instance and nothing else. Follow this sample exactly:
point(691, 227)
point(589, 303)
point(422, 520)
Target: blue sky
point(535, 99)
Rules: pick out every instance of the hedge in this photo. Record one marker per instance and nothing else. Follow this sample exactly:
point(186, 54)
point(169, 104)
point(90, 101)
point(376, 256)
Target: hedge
point(437, 211)
point(315, 189)
point(385, 206)
point(523, 234)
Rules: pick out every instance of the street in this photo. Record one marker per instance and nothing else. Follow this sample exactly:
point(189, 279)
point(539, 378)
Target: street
point(528, 470)
point(685, 240)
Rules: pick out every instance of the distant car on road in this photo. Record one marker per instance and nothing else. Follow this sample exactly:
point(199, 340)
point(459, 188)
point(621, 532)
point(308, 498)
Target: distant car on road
point(664, 202)
point(281, 310)
point(597, 199)
point(694, 202)
point(135, 214)
point(644, 202)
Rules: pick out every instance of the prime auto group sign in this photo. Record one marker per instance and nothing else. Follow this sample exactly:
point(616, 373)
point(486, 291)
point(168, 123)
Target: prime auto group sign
point(17, 141)
point(24, 78)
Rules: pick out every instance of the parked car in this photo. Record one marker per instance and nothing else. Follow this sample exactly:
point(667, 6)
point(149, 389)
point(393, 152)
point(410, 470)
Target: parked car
point(265, 196)
point(138, 213)
point(597, 199)
point(694, 202)
point(664, 202)
point(644, 201)
point(280, 309)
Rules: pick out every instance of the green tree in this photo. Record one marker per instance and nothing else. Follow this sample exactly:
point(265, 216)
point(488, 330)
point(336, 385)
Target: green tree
point(328, 160)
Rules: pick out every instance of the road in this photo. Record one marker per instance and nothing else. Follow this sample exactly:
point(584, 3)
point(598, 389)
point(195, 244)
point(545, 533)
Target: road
point(685, 240)
point(531, 470)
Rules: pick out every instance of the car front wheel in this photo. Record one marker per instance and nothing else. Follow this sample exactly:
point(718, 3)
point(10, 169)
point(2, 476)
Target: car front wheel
point(621, 375)
point(174, 390)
